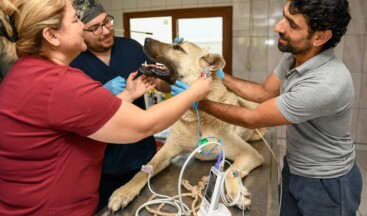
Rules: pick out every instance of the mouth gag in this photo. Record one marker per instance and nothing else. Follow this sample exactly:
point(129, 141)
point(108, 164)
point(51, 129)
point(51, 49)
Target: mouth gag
point(156, 70)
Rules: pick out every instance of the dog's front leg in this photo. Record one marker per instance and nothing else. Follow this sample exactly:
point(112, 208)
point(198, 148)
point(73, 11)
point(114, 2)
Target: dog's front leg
point(125, 194)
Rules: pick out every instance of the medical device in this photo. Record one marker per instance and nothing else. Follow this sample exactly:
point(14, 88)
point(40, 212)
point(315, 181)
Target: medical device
point(210, 205)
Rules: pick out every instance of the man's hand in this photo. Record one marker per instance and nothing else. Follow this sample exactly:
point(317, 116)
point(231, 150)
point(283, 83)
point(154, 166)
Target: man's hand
point(177, 40)
point(115, 85)
point(220, 73)
point(180, 87)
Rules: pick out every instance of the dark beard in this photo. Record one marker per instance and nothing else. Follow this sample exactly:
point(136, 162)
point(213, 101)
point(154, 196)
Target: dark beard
point(295, 51)
point(290, 48)
point(97, 47)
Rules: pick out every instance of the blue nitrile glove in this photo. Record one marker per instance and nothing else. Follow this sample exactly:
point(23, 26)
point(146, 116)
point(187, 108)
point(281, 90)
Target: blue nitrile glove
point(220, 74)
point(116, 85)
point(177, 39)
point(180, 87)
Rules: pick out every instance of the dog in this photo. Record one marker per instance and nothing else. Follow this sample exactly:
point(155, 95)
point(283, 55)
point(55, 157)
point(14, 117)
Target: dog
point(185, 61)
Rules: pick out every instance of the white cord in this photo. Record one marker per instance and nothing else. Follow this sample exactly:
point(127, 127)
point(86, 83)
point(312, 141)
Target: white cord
point(187, 161)
point(165, 199)
point(279, 170)
point(182, 207)
point(222, 183)
point(235, 200)
point(240, 185)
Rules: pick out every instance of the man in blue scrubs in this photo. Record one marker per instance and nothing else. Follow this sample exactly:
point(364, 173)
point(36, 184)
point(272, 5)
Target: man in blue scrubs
point(110, 60)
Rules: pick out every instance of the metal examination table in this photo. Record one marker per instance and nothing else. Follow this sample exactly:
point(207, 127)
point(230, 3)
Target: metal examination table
point(261, 182)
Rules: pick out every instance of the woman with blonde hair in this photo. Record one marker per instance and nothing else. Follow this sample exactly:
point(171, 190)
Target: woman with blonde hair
point(55, 120)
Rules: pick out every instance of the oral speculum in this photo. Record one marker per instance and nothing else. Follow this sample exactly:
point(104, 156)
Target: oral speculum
point(156, 70)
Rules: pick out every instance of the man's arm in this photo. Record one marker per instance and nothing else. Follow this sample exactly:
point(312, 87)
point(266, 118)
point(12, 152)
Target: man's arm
point(254, 91)
point(266, 114)
point(162, 86)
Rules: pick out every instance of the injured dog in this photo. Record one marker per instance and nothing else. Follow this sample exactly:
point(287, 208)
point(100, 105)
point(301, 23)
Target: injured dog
point(186, 61)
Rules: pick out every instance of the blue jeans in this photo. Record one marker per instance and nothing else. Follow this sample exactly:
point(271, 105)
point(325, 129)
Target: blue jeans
point(321, 197)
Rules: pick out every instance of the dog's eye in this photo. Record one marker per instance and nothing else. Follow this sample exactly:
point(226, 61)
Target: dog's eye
point(177, 47)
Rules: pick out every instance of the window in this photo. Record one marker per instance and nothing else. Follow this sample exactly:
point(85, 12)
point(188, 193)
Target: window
point(211, 30)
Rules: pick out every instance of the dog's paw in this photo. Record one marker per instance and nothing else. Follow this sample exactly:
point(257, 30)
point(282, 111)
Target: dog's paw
point(244, 201)
point(121, 197)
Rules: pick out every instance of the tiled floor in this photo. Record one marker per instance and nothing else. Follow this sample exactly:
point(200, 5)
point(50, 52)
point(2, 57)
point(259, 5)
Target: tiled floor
point(362, 162)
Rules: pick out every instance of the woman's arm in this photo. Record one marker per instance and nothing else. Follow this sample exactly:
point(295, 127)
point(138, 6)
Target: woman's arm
point(130, 123)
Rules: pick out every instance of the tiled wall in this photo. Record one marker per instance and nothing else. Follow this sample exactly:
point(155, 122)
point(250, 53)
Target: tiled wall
point(255, 52)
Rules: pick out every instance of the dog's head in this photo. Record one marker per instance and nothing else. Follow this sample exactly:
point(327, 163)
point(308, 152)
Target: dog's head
point(183, 61)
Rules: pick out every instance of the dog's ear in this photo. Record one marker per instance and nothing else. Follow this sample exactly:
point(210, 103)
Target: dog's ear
point(215, 61)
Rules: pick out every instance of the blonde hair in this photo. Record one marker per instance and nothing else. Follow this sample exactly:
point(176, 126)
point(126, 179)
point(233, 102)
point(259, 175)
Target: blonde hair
point(29, 18)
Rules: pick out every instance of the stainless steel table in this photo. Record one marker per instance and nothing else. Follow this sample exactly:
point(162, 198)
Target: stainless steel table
point(262, 183)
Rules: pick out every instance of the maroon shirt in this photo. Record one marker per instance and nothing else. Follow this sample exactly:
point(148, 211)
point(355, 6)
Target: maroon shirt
point(47, 164)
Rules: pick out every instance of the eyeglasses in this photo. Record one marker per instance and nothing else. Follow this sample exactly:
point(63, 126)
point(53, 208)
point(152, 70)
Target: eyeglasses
point(98, 29)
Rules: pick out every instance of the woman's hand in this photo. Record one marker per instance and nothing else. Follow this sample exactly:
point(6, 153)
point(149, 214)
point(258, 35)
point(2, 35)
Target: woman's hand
point(201, 87)
point(136, 88)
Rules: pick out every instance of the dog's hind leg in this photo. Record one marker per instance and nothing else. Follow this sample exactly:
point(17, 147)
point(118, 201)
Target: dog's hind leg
point(256, 136)
point(125, 194)
point(245, 158)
